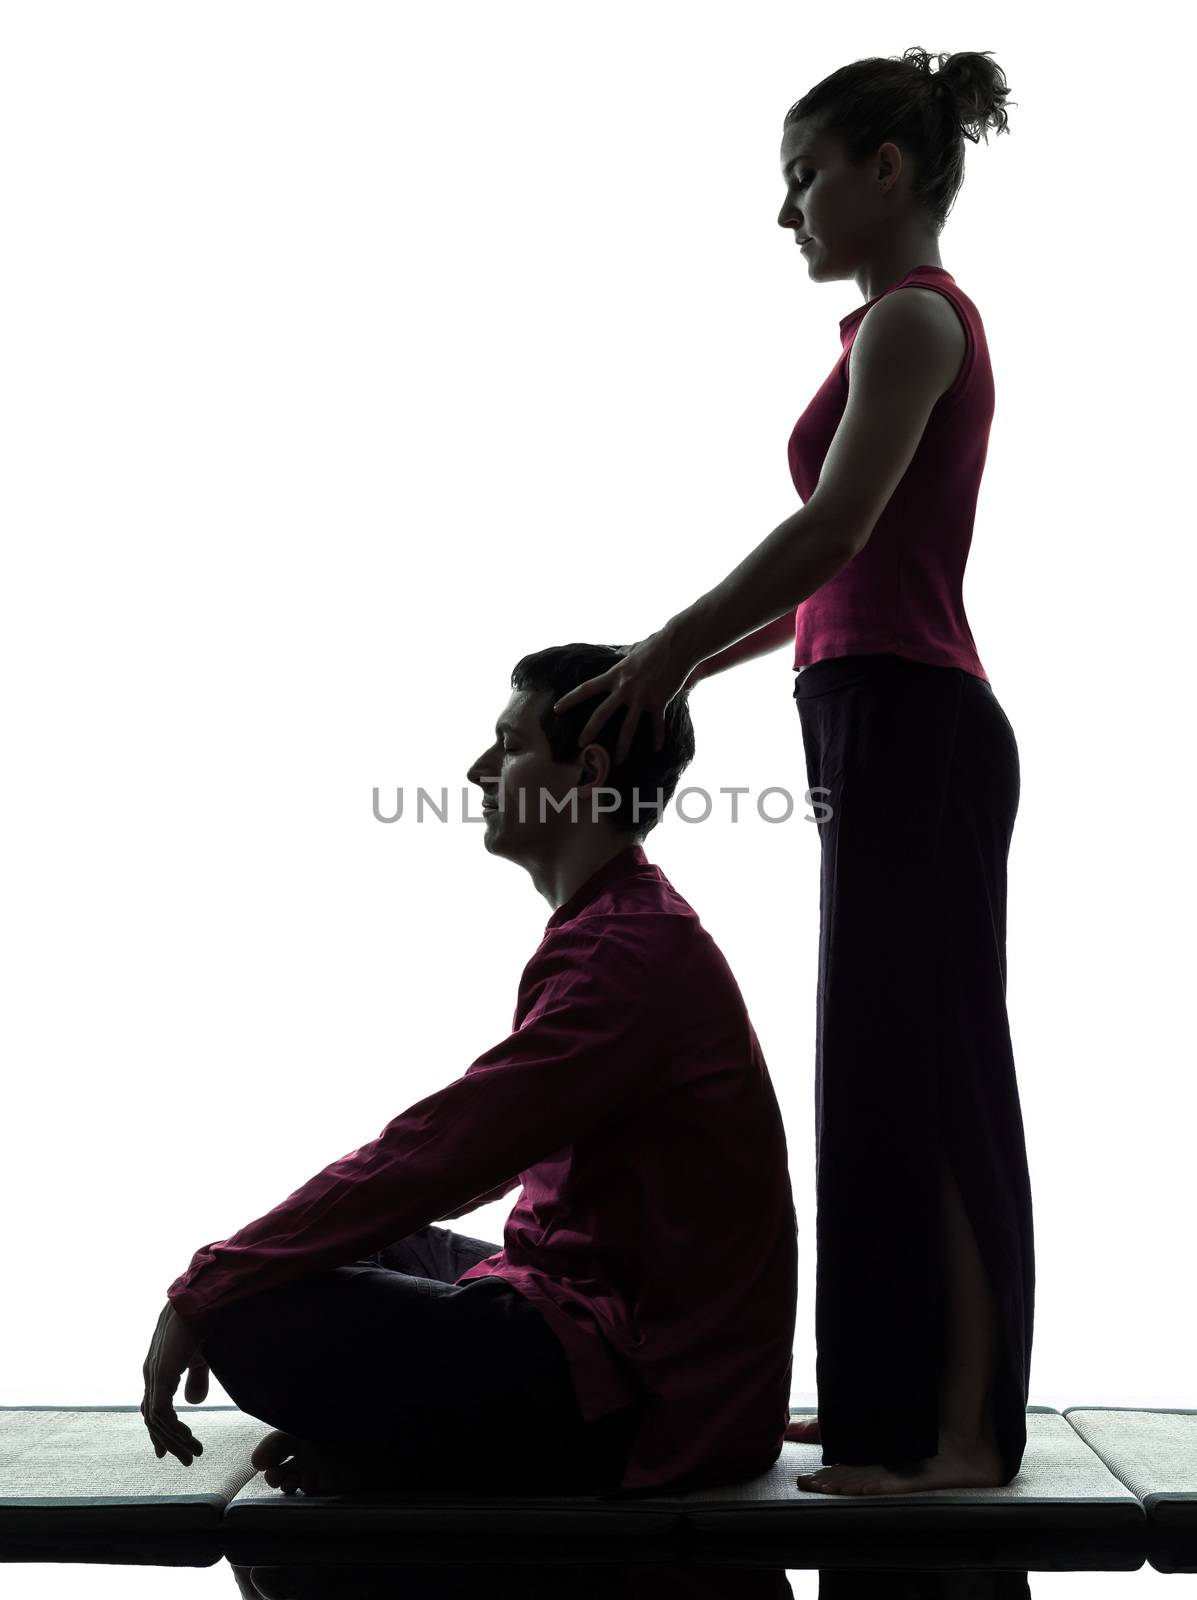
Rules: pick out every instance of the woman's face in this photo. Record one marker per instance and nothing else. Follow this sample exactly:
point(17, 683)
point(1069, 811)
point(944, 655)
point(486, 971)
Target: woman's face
point(831, 202)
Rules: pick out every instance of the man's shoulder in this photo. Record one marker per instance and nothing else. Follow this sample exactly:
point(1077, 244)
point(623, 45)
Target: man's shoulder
point(628, 958)
point(634, 921)
point(656, 939)
point(628, 922)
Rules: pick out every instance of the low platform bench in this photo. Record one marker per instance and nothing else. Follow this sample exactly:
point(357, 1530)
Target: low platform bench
point(1101, 1487)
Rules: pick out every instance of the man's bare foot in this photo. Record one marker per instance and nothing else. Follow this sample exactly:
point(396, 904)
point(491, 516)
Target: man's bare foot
point(958, 1465)
point(288, 1462)
point(804, 1430)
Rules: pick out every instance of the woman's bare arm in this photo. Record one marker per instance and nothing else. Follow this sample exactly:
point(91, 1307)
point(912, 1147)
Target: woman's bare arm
point(772, 636)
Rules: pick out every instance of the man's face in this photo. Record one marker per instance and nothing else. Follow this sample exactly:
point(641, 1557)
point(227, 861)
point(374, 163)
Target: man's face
point(525, 793)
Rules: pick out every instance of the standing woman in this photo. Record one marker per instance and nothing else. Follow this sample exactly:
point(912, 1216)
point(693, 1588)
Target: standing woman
point(924, 1294)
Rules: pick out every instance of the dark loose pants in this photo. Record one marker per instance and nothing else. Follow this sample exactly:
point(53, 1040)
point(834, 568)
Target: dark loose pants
point(435, 1384)
point(912, 1048)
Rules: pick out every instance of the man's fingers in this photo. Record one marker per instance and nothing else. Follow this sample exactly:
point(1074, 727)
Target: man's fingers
point(166, 1427)
point(168, 1432)
point(179, 1441)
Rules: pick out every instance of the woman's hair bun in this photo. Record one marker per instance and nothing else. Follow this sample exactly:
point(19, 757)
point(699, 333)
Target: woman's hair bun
point(976, 86)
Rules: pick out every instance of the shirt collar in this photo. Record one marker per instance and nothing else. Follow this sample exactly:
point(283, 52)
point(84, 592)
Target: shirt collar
point(620, 865)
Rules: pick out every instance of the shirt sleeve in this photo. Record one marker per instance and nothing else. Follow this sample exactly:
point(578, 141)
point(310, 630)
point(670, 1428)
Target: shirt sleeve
point(585, 1050)
point(481, 1200)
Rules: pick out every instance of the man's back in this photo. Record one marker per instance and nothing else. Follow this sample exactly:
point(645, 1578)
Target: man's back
point(660, 1245)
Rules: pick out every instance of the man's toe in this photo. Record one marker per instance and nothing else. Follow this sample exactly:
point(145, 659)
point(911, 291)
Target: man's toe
point(273, 1449)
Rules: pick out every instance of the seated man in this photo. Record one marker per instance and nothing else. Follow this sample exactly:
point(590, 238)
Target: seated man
point(634, 1331)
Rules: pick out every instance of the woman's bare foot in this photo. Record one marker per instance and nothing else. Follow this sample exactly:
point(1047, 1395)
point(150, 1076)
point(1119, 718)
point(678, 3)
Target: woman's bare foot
point(958, 1465)
point(288, 1462)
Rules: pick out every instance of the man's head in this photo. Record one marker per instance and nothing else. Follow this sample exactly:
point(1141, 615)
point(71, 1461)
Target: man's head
point(542, 785)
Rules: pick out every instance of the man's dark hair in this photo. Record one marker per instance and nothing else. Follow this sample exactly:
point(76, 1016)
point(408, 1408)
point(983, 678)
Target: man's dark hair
point(930, 114)
point(645, 770)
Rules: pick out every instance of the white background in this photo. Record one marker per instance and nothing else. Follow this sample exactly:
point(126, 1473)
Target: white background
point(350, 353)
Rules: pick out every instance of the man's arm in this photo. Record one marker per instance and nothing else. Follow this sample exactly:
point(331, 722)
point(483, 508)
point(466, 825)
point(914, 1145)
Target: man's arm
point(587, 1048)
point(482, 1200)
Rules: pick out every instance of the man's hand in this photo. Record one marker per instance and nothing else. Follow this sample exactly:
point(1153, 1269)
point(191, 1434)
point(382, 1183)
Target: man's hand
point(174, 1349)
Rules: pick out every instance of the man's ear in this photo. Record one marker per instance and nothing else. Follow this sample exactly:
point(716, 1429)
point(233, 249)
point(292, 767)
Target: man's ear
point(596, 764)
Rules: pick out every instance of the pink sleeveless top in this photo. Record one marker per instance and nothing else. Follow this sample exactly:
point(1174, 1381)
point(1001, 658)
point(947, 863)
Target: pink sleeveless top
point(902, 594)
